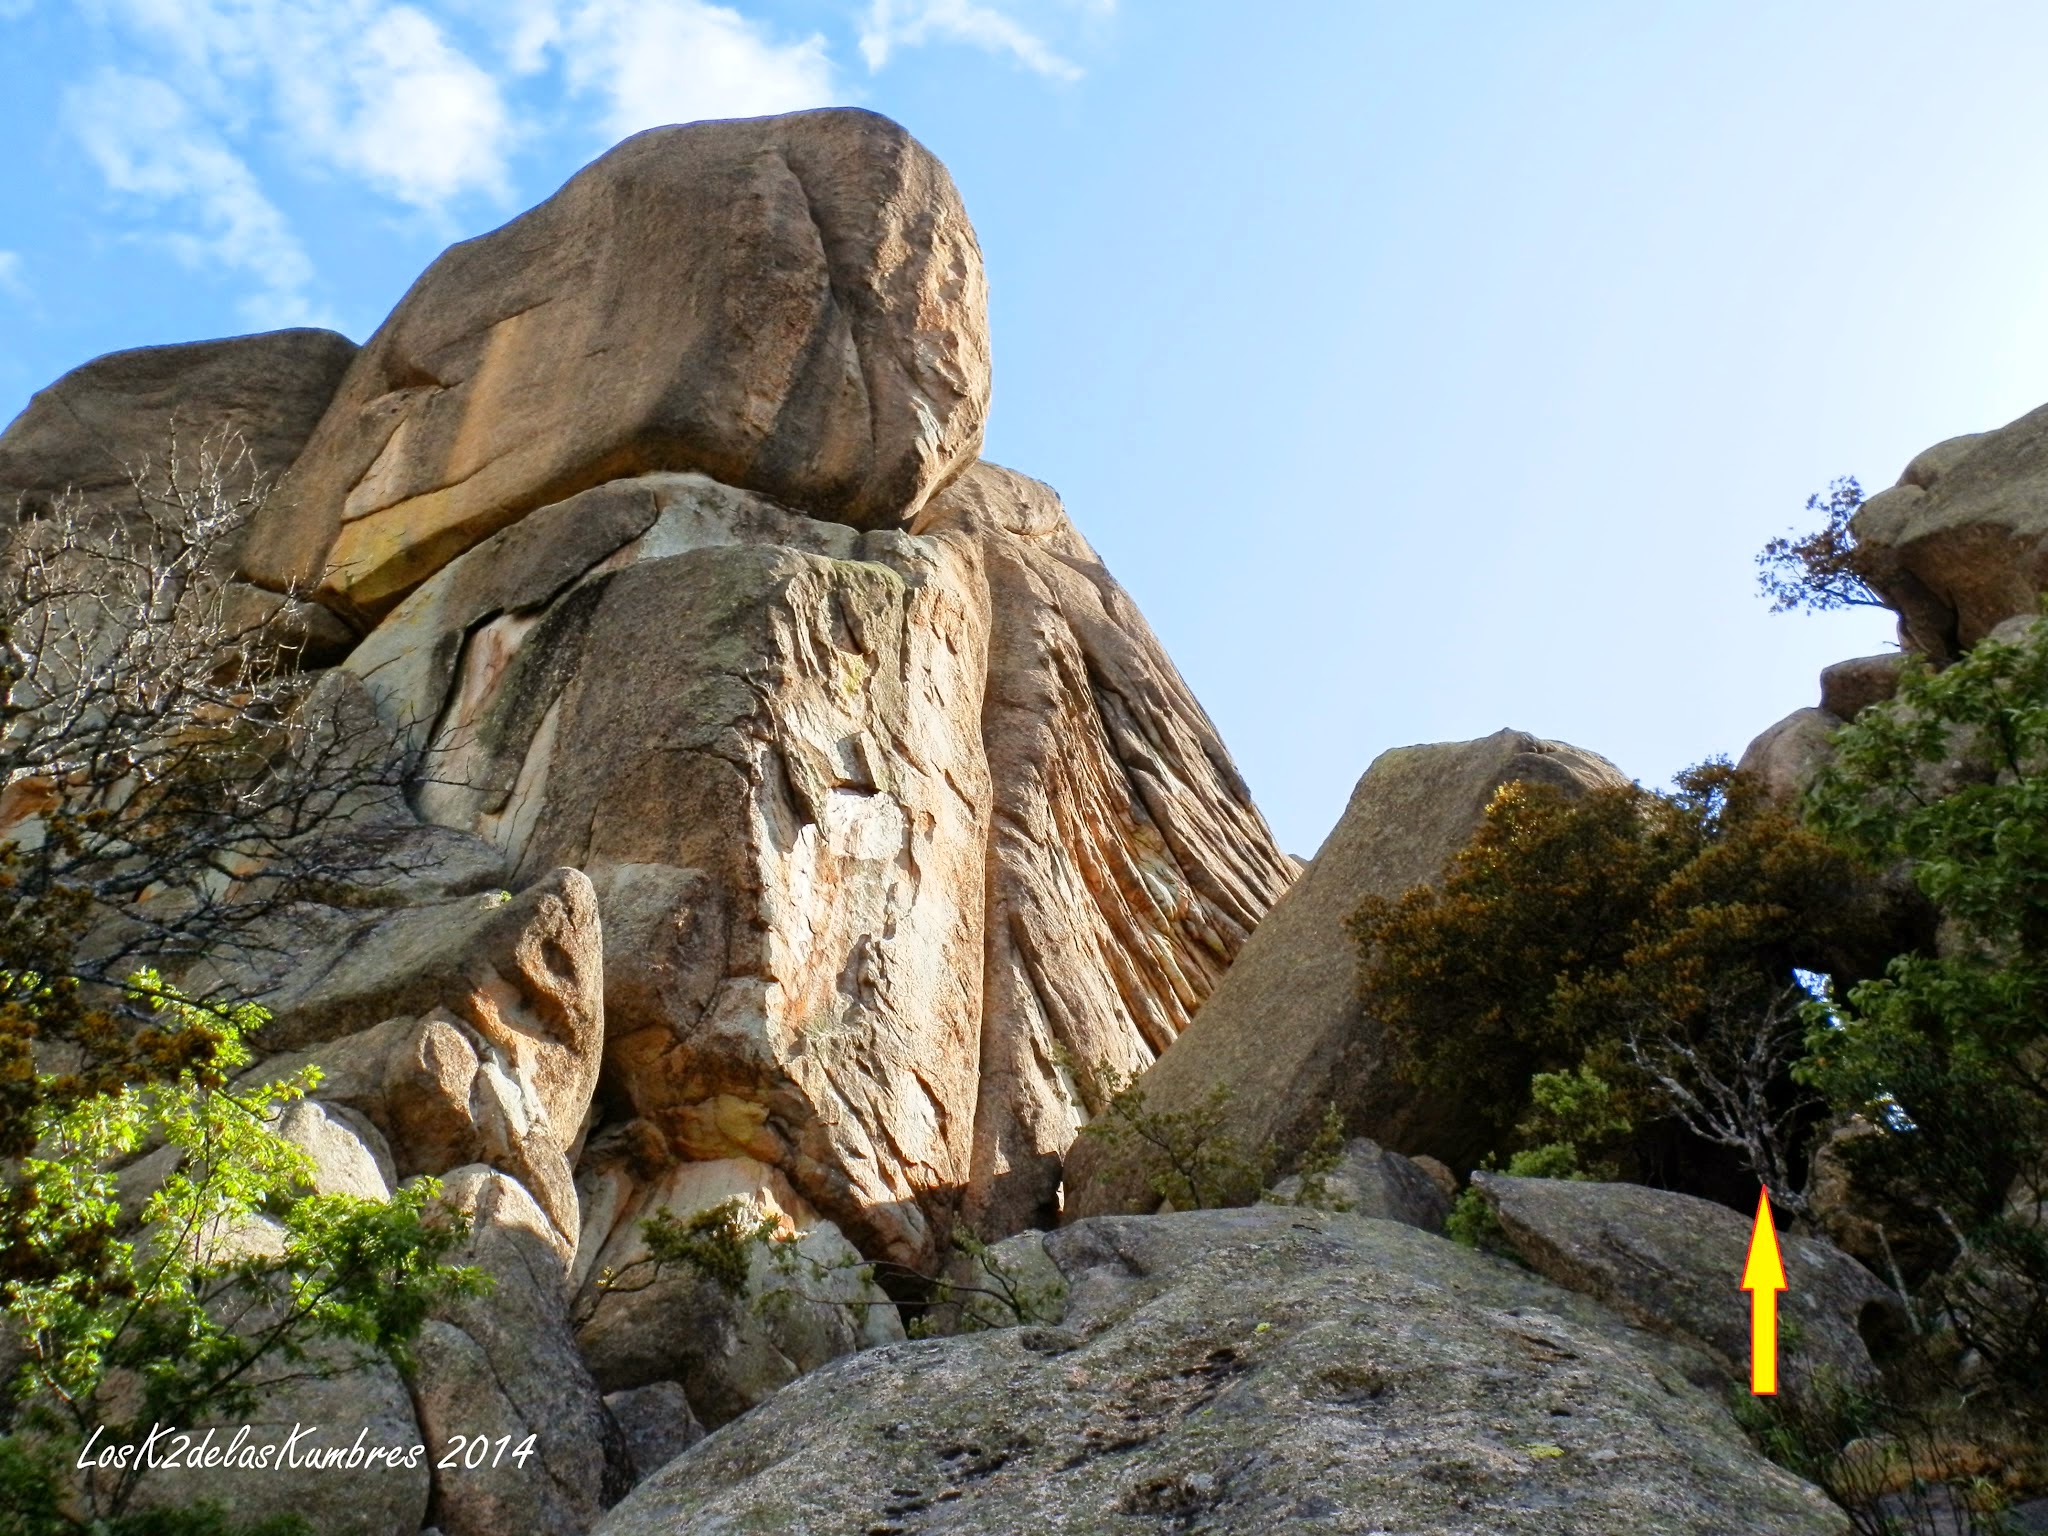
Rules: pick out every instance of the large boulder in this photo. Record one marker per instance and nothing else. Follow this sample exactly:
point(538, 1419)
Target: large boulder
point(1245, 1372)
point(114, 416)
point(348, 1154)
point(503, 1368)
point(1961, 542)
point(1671, 1262)
point(657, 1424)
point(1850, 687)
point(1285, 1029)
point(1368, 1180)
point(487, 1038)
point(791, 304)
point(882, 824)
point(206, 422)
point(1788, 756)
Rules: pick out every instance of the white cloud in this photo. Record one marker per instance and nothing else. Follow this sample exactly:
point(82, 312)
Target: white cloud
point(150, 145)
point(409, 112)
point(894, 24)
point(671, 61)
point(371, 88)
point(11, 280)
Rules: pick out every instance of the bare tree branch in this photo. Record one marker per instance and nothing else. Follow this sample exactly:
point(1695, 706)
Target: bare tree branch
point(1727, 1084)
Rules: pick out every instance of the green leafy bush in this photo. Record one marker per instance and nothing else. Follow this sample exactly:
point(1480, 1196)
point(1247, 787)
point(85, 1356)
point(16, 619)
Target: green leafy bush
point(1188, 1158)
point(234, 1279)
point(1637, 955)
point(1946, 1054)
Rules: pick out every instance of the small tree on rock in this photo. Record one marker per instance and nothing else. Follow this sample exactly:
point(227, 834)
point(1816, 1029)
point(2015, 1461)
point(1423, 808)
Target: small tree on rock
point(1818, 572)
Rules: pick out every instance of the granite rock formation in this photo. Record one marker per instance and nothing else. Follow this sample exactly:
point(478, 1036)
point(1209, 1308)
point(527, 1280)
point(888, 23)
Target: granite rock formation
point(793, 305)
point(795, 792)
point(1961, 542)
point(1662, 1260)
point(1285, 1029)
point(115, 417)
point(1958, 548)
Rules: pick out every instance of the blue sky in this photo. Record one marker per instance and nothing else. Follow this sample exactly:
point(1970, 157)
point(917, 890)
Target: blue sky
point(1422, 369)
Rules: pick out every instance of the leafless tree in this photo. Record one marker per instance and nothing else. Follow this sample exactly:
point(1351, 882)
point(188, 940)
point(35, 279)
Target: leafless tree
point(1727, 1081)
point(171, 783)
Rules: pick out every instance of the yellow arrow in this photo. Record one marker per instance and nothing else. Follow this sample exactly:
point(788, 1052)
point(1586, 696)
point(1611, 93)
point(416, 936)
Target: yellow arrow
point(1763, 1276)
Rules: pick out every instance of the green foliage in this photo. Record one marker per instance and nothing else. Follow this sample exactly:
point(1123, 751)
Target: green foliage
point(1319, 1160)
point(1189, 1158)
point(1003, 1298)
point(1817, 571)
point(1571, 1116)
point(715, 1243)
point(1896, 1469)
point(1947, 1054)
point(32, 1503)
point(172, 781)
point(1634, 936)
point(1472, 1222)
point(234, 1280)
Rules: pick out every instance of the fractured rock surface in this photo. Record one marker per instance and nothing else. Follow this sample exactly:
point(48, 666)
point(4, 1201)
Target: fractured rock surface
point(1371, 1181)
point(1248, 1371)
point(488, 1035)
point(881, 823)
point(1127, 863)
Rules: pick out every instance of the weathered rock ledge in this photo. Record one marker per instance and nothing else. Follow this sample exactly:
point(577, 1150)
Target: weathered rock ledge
point(1246, 1372)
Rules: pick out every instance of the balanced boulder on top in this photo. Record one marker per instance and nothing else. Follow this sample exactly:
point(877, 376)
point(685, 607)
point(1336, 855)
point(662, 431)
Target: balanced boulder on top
point(792, 305)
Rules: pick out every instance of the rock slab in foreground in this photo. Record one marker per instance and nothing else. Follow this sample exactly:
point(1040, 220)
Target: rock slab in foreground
point(1284, 1027)
point(1671, 1262)
point(1247, 1372)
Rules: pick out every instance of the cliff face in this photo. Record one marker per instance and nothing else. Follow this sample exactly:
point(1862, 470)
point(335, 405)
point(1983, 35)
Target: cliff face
point(839, 790)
